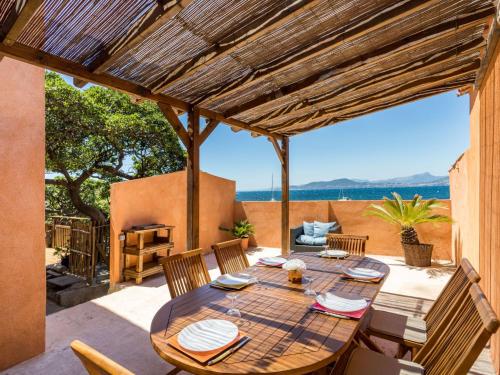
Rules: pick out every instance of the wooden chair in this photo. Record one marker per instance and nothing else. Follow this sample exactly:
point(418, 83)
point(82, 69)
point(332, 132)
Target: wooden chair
point(185, 272)
point(230, 256)
point(351, 243)
point(451, 350)
point(96, 363)
point(411, 333)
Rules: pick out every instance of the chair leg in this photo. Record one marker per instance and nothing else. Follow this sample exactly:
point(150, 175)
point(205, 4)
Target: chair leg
point(174, 371)
point(365, 339)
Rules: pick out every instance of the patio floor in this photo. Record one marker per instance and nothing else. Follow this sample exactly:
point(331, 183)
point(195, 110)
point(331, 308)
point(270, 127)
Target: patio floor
point(118, 324)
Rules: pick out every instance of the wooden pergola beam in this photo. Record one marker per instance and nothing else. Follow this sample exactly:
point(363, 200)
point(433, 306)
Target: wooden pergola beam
point(193, 181)
point(388, 52)
point(399, 72)
point(277, 148)
point(285, 197)
point(222, 50)
point(387, 95)
point(233, 122)
point(44, 60)
point(351, 32)
point(138, 32)
point(17, 19)
point(172, 118)
point(209, 128)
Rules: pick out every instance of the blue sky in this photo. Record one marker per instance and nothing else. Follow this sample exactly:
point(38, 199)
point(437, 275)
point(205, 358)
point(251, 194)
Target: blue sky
point(424, 136)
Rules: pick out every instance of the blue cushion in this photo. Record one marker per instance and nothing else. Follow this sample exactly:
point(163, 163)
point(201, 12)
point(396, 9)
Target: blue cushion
point(321, 229)
point(308, 228)
point(310, 240)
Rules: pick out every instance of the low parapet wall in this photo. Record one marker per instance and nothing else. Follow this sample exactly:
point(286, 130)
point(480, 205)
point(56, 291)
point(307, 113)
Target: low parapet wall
point(384, 238)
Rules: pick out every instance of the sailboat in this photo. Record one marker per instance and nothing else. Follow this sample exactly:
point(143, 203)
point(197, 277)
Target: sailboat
point(342, 197)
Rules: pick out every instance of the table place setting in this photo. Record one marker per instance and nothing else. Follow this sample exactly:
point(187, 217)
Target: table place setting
point(236, 281)
point(340, 307)
point(333, 253)
point(363, 275)
point(271, 262)
point(209, 341)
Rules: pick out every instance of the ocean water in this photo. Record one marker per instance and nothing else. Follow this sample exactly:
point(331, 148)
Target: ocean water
point(427, 192)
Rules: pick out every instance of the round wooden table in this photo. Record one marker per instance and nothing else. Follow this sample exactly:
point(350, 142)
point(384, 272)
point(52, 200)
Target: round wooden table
point(286, 338)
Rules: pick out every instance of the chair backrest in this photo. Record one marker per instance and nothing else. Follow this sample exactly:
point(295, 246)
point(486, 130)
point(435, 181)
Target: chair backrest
point(452, 295)
point(185, 272)
point(96, 363)
point(454, 350)
point(230, 256)
point(351, 243)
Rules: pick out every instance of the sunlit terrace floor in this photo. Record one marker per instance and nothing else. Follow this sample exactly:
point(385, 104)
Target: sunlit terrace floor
point(118, 324)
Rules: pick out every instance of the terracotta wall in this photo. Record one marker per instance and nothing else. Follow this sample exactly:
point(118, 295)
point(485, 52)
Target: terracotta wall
point(162, 199)
point(475, 191)
point(384, 238)
point(22, 292)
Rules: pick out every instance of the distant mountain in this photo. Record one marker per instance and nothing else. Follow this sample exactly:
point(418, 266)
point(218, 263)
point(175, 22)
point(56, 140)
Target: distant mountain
point(421, 179)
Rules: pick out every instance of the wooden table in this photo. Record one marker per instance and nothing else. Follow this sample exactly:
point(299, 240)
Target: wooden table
point(286, 338)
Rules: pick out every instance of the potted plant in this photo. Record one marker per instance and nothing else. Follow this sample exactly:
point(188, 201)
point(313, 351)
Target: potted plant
point(241, 229)
point(406, 215)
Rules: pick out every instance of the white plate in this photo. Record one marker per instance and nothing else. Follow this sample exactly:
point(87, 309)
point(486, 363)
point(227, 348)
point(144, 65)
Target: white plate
point(331, 253)
point(234, 280)
point(272, 261)
point(340, 304)
point(363, 273)
point(207, 335)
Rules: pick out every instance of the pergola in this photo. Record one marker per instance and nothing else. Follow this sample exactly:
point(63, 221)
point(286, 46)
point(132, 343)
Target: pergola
point(276, 68)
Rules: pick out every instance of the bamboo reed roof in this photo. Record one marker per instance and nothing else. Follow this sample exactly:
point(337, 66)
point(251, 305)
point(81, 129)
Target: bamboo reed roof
point(274, 67)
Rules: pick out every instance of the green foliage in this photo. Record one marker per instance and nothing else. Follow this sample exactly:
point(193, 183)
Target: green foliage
point(407, 214)
point(242, 229)
point(61, 252)
point(98, 136)
point(93, 192)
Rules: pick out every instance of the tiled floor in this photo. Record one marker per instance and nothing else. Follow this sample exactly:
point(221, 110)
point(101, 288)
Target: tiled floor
point(118, 324)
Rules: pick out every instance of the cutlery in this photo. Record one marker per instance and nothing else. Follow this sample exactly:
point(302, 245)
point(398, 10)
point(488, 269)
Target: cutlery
point(330, 314)
point(229, 351)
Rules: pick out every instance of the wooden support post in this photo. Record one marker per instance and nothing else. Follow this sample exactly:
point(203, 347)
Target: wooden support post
point(282, 152)
point(285, 190)
point(193, 181)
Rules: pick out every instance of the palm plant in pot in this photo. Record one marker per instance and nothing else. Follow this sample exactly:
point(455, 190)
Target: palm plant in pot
point(406, 215)
point(243, 230)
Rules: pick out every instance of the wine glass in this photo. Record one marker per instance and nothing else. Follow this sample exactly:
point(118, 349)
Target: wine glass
point(309, 291)
point(233, 311)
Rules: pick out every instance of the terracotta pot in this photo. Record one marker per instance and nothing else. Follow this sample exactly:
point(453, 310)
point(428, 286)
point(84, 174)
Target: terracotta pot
point(418, 255)
point(295, 276)
point(244, 243)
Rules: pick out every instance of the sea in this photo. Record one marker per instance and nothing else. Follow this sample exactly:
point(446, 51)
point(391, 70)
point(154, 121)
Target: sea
point(427, 192)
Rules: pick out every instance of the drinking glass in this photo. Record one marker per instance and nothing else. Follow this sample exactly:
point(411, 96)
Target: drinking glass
point(309, 291)
point(233, 311)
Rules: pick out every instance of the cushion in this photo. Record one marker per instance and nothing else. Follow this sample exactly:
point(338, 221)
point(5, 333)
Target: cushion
point(363, 362)
point(322, 229)
point(308, 228)
point(310, 240)
point(398, 326)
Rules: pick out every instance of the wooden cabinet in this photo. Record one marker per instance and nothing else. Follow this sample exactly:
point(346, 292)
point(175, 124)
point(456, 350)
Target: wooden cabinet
point(146, 246)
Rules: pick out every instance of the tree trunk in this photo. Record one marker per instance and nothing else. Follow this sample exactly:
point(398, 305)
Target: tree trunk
point(94, 213)
point(409, 235)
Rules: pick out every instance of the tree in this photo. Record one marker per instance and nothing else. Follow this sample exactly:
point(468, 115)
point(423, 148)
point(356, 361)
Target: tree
point(98, 134)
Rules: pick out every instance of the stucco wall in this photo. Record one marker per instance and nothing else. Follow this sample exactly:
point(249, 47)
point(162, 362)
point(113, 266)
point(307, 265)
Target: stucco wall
point(384, 238)
point(22, 293)
point(162, 199)
point(475, 192)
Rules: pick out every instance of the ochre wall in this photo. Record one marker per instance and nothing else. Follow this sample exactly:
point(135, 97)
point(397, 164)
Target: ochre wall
point(162, 199)
point(384, 238)
point(475, 193)
point(22, 293)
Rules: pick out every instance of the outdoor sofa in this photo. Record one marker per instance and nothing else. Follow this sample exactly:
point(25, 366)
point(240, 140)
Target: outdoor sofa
point(296, 237)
